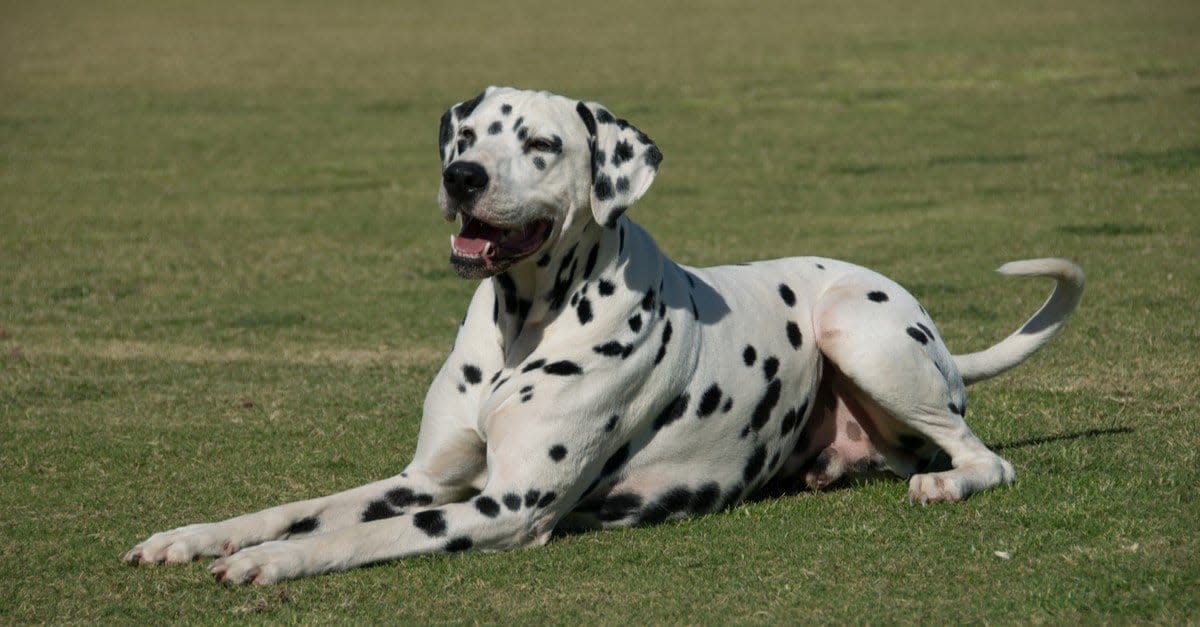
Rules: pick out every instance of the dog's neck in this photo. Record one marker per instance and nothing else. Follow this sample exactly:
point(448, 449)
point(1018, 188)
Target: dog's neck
point(533, 294)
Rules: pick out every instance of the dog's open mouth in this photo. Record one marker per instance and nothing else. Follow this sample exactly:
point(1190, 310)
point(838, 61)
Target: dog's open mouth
point(494, 246)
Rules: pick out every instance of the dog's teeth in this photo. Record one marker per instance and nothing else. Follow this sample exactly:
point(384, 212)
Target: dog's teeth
point(489, 248)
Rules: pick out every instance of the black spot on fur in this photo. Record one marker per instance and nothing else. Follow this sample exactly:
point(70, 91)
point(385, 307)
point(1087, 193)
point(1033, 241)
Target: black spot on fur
point(709, 401)
point(612, 422)
point(512, 501)
point(619, 506)
point(749, 355)
point(546, 499)
point(762, 411)
point(605, 288)
point(672, 412)
point(676, 500)
point(558, 452)
point(591, 261)
point(495, 376)
point(961, 411)
point(585, 114)
point(495, 127)
point(603, 187)
point(616, 460)
point(820, 267)
point(562, 368)
point(464, 109)
point(622, 184)
point(653, 157)
point(615, 216)
point(377, 510)
point(534, 365)
point(794, 336)
point(562, 279)
point(604, 117)
point(505, 109)
point(445, 133)
point(648, 301)
point(304, 525)
point(621, 153)
point(584, 311)
point(635, 323)
point(786, 293)
point(754, 464)
point(461, 543)
point(705, 498)
point(404, 497)
point(487, 506)
point(539, 163)
point(666, 338)
point(788, 422)
point(431, 521)
point(472, 374)
point(728, 405)
point(614, 349)
point(878, 297)
point(925, 329)
point(516, 125)
point(531, 498)
point(916, 334)
point(770, 367)
point(462, 388)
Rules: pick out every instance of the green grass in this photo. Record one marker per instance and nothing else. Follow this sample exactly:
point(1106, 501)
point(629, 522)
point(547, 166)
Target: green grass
point(223, 285)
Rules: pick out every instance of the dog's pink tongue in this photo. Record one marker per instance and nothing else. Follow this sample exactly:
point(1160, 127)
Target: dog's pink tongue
point(470, 245)
point(475, 236)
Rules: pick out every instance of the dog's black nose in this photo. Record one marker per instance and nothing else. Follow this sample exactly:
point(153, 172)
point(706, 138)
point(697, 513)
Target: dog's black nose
point(465, 180)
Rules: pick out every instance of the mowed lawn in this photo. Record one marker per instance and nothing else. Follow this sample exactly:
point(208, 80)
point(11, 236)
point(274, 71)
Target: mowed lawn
point(223, 285)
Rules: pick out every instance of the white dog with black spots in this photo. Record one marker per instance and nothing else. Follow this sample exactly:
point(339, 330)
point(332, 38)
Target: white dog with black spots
point(596, 383)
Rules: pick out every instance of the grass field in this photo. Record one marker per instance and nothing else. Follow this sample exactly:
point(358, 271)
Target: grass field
point(223, 285)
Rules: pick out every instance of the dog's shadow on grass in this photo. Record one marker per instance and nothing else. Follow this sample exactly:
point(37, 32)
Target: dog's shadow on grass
point(1058, 437)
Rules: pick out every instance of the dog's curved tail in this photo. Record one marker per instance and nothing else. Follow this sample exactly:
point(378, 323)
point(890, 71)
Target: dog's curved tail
point(1036, 331)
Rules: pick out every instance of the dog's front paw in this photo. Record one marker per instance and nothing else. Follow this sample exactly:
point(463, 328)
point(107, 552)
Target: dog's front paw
point(182, 545)
point(267, 563)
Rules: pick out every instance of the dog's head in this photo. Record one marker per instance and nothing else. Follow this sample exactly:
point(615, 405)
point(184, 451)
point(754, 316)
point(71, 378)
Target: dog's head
point(525, 169)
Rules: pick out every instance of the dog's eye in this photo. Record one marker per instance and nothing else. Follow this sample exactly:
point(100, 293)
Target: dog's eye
point(467, 134)
point(539, 144)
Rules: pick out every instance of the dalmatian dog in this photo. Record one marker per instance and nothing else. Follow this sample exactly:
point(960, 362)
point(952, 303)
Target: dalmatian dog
point(595, 383)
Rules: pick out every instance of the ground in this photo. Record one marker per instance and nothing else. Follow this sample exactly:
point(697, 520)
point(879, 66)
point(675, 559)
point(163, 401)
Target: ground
point(224, 285)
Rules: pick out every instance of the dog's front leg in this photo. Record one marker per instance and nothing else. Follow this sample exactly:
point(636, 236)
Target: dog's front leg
point(533, 480)
point(482, 523)
point(381, 499)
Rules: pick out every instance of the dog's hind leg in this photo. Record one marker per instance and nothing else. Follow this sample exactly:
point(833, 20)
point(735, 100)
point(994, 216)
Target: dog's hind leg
point(884, 343)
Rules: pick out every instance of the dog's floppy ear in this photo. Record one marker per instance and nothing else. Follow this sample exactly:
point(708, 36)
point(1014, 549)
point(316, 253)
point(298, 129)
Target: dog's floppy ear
point(448, 128)
point(624, 162)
